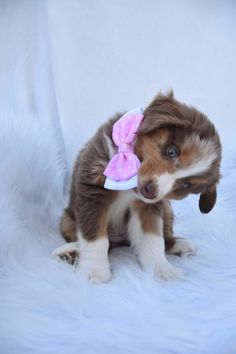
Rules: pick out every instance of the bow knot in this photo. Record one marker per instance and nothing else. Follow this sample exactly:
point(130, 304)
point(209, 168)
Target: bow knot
point(126, 148)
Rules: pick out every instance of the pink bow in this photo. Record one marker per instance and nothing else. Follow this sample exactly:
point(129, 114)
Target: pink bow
point(125, 163)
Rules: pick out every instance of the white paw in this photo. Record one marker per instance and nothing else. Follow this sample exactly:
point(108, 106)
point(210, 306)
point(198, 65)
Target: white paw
point(182, 248)
point(93, 260)
point(168, 273)
point(99, 275)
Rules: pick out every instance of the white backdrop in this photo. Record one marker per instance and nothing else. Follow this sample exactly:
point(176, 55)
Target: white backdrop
point(65, 67)
point(115, 55)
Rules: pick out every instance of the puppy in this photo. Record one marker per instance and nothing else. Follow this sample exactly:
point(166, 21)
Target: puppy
point(179, 152)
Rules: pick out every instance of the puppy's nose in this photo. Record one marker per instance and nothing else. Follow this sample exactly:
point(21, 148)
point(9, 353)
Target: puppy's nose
point(148, 190)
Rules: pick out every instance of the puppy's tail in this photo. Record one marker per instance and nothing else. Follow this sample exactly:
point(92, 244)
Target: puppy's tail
point(68, 226)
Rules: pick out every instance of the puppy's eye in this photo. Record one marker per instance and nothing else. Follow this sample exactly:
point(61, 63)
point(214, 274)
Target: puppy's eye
point(185, 185)
point(172, 152)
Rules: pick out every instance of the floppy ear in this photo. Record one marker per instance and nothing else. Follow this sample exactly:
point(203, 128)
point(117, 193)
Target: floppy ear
point(163, 111)
point(207, 200)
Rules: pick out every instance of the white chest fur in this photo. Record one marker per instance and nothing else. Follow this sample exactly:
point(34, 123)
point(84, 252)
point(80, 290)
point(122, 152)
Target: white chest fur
point(120, 206)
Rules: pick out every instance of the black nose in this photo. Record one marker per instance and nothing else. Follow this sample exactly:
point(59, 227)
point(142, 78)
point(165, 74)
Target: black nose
point(148, 190)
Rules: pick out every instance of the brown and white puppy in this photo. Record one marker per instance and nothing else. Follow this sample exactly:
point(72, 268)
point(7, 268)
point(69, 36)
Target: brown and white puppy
point(180, 153)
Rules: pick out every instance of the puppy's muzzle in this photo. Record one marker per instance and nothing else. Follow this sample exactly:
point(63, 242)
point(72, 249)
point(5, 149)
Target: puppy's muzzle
point(148, 190)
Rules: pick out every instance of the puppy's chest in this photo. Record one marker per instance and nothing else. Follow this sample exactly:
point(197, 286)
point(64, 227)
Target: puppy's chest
point(119, 210)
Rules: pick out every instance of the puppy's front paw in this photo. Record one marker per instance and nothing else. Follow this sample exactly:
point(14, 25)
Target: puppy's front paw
point(182, 248)
point(167, 272)
point(99, 275)
point(93, 260)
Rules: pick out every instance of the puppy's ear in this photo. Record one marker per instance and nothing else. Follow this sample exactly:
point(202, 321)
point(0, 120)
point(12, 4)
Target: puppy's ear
point(163, 111)
point(207, 200)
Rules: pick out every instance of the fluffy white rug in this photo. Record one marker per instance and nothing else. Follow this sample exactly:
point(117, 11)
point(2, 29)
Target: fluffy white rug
point(45, 306)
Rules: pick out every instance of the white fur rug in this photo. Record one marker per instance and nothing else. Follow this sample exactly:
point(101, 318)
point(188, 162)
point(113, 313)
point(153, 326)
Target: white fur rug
point(45, 306)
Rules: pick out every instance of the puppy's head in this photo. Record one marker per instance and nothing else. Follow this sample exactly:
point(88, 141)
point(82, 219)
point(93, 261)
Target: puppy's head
point(180, 153)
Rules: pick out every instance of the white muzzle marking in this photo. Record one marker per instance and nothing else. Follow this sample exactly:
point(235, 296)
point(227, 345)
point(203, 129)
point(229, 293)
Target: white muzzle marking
point(166, 181)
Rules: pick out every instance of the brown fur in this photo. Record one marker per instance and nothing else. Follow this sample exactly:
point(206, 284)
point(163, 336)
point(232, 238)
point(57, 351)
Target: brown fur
point(68, 227)
point(168, 218)
point(166, 122)
point(147, 214)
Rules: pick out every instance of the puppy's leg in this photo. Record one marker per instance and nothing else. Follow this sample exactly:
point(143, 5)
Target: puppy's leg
point(174, 245)
point(68, 252)
point(93, 245)
point(146, 236)
point(68, 226)
point(93, 260)
point(89, 248)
